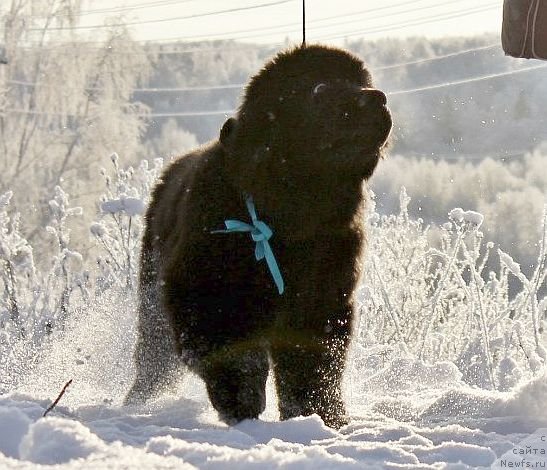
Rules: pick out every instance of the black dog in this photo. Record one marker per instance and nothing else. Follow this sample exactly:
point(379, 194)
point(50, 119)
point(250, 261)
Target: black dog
point(309, 132)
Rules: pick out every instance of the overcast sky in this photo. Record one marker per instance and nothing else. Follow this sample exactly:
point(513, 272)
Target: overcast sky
point(275, 21)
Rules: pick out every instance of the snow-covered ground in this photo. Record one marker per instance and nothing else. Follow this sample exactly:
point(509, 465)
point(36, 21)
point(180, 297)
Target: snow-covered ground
point(405, 414)
point(447, 369)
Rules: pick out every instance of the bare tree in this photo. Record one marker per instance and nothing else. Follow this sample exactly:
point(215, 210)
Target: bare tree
point(65, 103)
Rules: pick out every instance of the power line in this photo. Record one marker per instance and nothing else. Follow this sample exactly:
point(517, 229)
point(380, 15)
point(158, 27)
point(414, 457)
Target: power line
point(241, 85)
point(224, 112)
point(275, 46)
point(144, 90)
point(139, 6)
point(282, 29)
point(198, 50)
point(296, 25)
point(120, 9)
point(422, 61)
point(469, 157)
point(422, 89)
point(230, 86)
point(389, 27)
point(424, 20)
point(293, 30)
point(166, 114)
point(467, 80)
point(369, 10)
point(227, 112)
point(318, 20)
point(417, 22)
point(159, 51)
point(163, 20)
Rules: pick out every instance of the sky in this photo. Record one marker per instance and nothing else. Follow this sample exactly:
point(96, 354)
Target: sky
point(271, 21)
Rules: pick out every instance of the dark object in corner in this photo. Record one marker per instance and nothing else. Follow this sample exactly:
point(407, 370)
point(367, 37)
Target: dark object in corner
point(524, 29)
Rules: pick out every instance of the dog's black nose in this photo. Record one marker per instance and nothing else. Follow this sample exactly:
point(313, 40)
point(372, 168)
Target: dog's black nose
point(372, 97)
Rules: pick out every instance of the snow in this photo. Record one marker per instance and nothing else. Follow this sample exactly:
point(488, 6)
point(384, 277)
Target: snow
point(130, 205)
point(434, 397)
point(405, 414)
point(97, 229)
point(472, 217)
point(408, 373)
point(511, 265)
point(176, 433)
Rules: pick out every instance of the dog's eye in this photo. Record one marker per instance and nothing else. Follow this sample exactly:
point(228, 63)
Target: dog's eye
point(319, 88)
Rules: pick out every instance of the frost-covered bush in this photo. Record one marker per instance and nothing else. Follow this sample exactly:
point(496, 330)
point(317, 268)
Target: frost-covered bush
point(118, 229)
point(428, 294)
point(509, 194)
point(67, 275)
point(433, 298)
point(37, 303)
point(34, 302)
point(17, 267)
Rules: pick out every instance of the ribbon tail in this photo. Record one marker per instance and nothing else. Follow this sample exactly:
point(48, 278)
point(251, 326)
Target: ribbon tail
point(274, 268)
point(251, 208)
point(259, 250)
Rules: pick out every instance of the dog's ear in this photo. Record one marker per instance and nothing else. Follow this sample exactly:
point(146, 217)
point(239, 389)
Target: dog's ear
point(227, 132)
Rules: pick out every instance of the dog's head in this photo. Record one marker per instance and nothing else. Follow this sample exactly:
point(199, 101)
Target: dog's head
point(311, 114)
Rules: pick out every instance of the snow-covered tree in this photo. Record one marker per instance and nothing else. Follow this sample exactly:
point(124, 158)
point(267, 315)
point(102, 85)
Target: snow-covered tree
point(64, 102)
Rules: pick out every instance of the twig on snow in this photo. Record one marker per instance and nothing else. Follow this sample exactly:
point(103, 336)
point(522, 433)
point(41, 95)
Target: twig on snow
point(54, 404)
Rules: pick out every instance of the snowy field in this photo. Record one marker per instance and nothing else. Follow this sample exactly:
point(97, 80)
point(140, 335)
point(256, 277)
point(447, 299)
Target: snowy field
point(447, 368)
point(404, 415)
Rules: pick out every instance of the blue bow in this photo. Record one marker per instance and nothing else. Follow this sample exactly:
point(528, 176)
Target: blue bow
point(260, 233)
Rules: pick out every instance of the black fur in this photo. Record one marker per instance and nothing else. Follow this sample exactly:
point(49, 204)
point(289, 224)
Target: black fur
point(303, 152)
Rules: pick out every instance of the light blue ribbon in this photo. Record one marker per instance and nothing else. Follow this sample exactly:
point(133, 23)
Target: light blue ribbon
point(261, 234)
